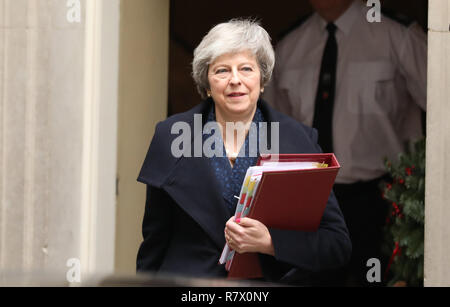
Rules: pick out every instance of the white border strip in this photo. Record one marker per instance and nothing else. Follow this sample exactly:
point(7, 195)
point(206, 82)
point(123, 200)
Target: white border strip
point(89, 179)
point(98, 198)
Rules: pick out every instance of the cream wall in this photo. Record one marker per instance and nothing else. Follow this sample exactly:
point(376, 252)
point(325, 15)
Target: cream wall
point(144, 60)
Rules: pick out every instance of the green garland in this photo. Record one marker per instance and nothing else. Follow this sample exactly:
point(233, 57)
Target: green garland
point(404, 229)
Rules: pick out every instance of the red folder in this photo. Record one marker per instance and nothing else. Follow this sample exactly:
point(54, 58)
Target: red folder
point(289, 200)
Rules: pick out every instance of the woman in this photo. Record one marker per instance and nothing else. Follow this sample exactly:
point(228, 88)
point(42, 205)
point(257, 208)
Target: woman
point(191, 199)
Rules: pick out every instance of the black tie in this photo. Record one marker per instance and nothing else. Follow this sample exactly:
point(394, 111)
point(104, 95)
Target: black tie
point(323, 113)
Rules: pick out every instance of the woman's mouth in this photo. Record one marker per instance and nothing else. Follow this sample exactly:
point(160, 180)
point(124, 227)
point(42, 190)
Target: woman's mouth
point(234, 95)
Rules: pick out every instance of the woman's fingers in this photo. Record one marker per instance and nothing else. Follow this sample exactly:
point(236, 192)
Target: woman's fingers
point(248, 236)
point(244, 236)
point(247, 222)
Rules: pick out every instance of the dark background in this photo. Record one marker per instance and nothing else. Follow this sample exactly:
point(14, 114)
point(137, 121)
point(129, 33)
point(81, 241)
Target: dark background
point(190, 20)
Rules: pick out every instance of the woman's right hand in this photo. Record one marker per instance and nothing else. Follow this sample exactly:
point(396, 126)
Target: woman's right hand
point(248, 236)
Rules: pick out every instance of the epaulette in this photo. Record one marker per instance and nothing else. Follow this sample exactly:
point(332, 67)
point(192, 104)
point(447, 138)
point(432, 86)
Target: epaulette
point(294, 26)
point(398, 17)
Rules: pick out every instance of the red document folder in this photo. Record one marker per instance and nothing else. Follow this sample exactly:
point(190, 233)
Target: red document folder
point(289, 200)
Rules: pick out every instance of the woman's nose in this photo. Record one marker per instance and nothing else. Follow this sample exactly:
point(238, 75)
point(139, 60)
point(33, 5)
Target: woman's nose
point(235, 79)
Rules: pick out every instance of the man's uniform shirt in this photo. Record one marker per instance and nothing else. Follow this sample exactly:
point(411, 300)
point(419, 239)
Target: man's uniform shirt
point(380, 86)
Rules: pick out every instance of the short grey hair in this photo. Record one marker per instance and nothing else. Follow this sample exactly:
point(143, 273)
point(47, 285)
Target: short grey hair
point(233, 36)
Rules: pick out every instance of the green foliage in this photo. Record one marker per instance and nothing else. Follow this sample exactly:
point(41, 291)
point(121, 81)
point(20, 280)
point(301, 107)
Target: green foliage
point(405, 223)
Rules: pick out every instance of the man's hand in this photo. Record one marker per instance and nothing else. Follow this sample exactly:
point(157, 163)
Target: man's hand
point(248, 236)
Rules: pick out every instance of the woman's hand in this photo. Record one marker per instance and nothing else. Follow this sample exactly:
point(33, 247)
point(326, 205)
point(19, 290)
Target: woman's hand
point(248, 236)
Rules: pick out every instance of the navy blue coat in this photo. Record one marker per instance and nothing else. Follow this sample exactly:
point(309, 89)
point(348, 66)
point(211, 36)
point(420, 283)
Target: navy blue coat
point(185, 213)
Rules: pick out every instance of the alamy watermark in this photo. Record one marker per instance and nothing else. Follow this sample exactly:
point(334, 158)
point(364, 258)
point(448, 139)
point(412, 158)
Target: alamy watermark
point(213, 145)
point(74, 272)
point(74, 12)
point(374, 14)
point(374, 273)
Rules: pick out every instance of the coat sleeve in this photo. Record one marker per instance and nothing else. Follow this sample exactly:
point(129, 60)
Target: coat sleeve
point(298, 252)
point(156, 230)
point(326, 249)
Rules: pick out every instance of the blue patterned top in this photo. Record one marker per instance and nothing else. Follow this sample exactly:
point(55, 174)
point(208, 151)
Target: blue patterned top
point(231, 178)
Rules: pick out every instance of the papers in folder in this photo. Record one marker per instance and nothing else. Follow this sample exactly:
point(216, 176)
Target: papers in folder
point(249, 187)
point(285, 192)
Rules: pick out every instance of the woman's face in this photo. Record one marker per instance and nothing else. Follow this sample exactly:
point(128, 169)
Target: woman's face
point(235, 85)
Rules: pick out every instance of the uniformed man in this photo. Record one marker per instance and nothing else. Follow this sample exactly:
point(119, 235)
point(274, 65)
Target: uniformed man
point(362, 85)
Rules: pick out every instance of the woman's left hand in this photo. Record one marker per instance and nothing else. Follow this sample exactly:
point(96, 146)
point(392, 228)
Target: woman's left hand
point(248, 235)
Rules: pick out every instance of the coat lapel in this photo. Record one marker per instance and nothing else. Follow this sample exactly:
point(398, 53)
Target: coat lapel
point(193, 186)
point(195, 189)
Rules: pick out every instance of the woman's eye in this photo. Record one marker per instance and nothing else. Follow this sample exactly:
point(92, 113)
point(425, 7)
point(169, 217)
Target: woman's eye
point(221, 71)
point(247, 69)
